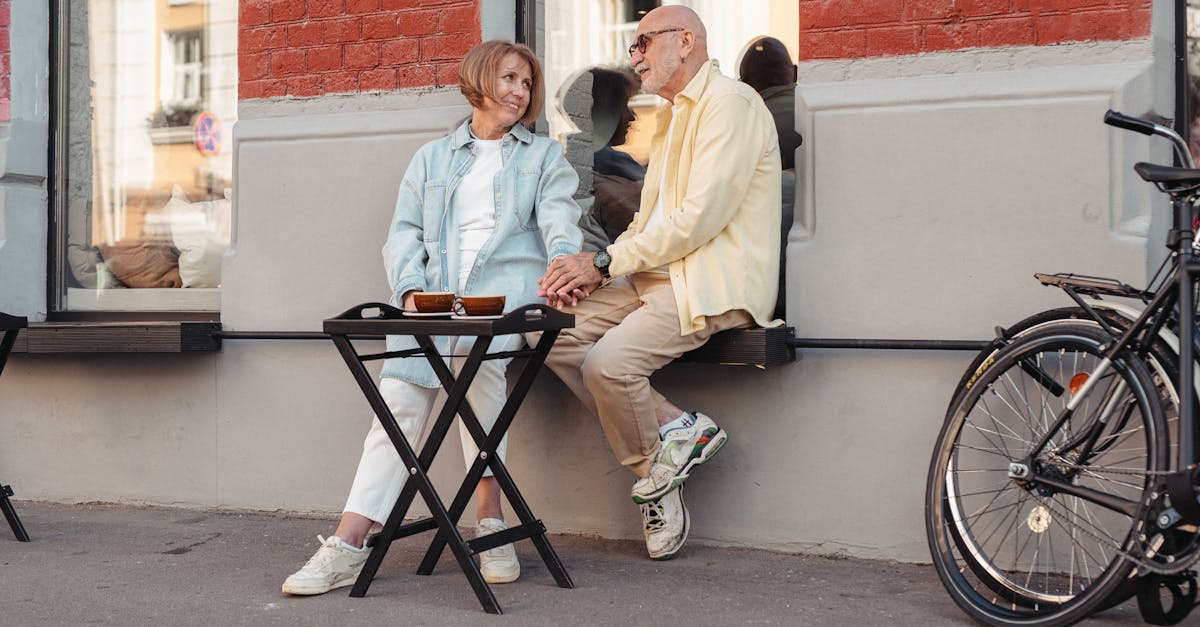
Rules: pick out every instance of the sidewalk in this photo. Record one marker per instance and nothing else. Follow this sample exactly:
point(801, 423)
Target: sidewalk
point(118, 565)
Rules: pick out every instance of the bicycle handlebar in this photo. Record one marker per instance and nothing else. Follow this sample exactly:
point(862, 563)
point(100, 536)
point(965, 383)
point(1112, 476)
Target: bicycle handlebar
point(1129, 123)
point(1146, 127)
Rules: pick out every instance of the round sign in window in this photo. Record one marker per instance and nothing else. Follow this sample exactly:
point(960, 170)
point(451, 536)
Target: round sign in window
point(207, 131)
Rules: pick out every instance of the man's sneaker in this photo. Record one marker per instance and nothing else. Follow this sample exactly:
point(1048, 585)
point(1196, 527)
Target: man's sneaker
point(681, 450)
point(334, 565)
point(498, 565)
point(666, 523)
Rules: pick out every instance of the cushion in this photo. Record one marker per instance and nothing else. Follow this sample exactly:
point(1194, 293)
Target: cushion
point(142, 264)
point(200, 231)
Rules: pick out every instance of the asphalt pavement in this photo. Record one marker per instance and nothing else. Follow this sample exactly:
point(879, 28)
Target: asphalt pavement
point(100, 564)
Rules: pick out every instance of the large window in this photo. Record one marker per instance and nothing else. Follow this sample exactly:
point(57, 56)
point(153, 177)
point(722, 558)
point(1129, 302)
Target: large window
point(147, 98)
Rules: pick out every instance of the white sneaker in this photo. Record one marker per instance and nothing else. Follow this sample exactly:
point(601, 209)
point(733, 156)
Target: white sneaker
point(680, 452)
point(334, 565)
point(498, 565)
point(666, 523)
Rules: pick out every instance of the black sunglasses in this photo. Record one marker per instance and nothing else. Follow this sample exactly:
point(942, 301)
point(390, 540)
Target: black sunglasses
point(643, 40)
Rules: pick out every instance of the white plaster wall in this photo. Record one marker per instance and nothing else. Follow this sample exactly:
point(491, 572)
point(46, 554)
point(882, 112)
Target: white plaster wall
point(933, 200)
point(930, 199)
point(110, 428)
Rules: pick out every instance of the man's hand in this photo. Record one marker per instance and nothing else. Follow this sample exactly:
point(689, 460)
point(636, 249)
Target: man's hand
point(569, 279)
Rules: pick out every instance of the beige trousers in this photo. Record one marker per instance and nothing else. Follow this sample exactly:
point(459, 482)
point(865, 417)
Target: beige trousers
point(623, 333)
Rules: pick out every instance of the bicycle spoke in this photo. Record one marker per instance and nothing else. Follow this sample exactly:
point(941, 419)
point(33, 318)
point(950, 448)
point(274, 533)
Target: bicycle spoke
point(999, 424)
point(986, 432)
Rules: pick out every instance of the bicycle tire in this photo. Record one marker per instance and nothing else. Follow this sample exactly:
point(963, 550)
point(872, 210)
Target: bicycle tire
point(1161, 358)
point(970, 497)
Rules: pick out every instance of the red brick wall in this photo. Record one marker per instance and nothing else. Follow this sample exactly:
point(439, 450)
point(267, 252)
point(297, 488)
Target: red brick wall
point(307, 48)
point(847, 29)
point(5, 61)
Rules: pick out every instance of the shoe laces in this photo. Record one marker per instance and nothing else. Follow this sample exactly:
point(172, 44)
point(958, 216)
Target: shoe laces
point(652, 516)
point(501, 551)
point(324, 555)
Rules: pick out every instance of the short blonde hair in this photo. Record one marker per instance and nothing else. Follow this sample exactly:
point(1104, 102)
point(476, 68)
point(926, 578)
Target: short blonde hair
point(478, 70)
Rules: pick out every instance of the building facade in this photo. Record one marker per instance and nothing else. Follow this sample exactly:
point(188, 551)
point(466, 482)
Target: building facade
point(951, 149)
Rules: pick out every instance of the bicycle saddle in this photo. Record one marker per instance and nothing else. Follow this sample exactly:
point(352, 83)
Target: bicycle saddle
point(1154, 173)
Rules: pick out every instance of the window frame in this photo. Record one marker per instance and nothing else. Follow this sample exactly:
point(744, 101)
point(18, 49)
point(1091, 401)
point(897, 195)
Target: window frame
point(1183, 105)
point(169, 79)
point(57, 221)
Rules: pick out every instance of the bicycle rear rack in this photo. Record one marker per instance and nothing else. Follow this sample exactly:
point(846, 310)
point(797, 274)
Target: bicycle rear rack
point(1093, 285)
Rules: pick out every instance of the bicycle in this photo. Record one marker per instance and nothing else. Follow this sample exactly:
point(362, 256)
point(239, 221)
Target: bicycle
point(1064, 477)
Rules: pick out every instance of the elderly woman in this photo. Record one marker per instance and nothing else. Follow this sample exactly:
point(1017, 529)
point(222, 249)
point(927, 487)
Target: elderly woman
point(479, 212)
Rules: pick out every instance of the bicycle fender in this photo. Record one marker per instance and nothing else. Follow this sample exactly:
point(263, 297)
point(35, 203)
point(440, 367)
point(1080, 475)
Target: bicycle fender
point(1132, 313)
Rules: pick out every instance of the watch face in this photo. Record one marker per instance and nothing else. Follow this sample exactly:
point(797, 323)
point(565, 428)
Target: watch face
point(601, 262)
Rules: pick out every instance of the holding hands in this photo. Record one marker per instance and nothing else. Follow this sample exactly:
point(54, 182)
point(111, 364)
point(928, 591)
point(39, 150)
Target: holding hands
point(569, 279)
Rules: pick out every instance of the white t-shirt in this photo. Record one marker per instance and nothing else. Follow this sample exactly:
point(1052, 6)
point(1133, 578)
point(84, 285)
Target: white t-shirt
point(659, 213)
point(474, 205)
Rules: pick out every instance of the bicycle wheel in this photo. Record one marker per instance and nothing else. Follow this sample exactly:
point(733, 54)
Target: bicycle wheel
point(1020, 552)
point(1162, 360)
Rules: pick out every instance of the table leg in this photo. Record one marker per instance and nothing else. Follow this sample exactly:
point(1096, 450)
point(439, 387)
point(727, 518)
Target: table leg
point(418, 480)
point(6, 345)
point(487, 444)
point(11, 514)
point(388, 422)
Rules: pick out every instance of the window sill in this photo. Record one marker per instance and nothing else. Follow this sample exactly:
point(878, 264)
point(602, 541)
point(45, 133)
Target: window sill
point(171, 135)
point(145, 299)
point(118, 337)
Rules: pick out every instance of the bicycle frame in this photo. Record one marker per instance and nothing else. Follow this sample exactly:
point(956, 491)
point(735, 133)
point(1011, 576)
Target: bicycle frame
point(1179, 482)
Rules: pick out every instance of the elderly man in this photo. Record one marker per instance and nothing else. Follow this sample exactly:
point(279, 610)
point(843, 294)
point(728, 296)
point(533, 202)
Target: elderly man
point(700, 256)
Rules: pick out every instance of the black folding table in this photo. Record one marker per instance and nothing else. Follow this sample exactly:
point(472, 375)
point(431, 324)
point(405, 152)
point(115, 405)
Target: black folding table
point(11, 325)
point(371, 320)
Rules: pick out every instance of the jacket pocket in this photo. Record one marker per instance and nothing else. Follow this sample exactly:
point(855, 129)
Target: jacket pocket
point(526, 194)
point(433, 210)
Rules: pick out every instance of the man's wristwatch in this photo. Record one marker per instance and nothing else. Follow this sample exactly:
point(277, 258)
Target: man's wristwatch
point(602, 261)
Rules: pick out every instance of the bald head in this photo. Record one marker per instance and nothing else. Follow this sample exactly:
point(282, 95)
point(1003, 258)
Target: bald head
point(676, 49)
point(676, 16)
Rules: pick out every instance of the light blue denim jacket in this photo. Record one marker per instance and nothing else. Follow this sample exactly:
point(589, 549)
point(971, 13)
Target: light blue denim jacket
point(536, 219)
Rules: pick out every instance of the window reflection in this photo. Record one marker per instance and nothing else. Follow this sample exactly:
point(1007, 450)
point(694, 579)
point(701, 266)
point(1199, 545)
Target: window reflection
point(151, 97)
point(1193, 73)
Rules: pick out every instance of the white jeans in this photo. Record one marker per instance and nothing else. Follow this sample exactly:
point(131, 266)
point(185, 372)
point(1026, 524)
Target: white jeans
point(381, 473)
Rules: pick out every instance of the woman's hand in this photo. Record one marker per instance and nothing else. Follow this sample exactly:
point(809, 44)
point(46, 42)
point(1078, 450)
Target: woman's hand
point(408, 299)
